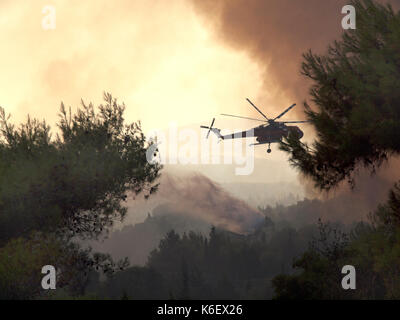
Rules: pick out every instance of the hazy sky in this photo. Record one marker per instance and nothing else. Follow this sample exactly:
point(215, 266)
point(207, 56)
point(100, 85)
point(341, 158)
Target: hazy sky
point(182, 61)
point(159, 57)
point(156, 56)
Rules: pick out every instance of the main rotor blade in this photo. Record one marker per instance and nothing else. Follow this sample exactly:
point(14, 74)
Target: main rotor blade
point(257, 109)
point(230, 115)
point(284, 112)
point(293, 121)
point(209, 130)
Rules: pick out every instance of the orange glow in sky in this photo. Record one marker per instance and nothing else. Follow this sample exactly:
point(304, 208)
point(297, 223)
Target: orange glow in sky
point(157, 56)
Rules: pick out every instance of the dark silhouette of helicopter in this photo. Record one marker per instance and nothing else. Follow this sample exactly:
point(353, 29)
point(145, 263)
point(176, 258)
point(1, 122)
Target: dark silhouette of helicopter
point(271, 132)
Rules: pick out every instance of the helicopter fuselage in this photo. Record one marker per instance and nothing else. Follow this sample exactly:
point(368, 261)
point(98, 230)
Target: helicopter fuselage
point(275, 132)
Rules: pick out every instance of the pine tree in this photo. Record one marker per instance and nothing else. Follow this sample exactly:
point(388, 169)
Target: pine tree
point(356, 100)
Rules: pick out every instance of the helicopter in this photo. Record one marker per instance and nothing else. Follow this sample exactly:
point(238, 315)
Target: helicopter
point(271, 132)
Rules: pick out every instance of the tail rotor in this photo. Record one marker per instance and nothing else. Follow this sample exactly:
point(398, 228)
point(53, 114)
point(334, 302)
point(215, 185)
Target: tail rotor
point(209, 128)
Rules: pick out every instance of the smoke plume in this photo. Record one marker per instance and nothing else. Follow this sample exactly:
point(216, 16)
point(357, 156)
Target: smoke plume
point(199, 197)
point(276, 33)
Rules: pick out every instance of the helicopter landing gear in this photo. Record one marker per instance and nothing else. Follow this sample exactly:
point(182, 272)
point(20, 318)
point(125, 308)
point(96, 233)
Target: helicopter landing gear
point(269, 148)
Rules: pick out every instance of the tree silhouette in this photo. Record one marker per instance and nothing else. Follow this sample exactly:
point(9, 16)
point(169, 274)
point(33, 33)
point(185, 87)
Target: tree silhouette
point(75, 184)
point(357, 99)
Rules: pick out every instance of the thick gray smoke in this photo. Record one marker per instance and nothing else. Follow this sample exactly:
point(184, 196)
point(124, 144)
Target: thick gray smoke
point(276, 33)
